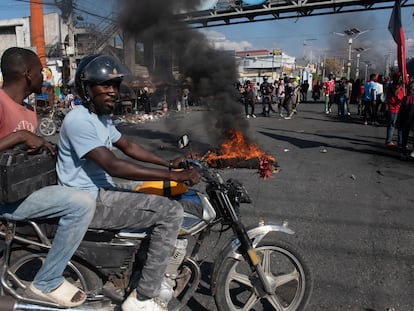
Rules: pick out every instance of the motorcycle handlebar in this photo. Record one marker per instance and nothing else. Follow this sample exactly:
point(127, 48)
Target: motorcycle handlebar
point(203, 170)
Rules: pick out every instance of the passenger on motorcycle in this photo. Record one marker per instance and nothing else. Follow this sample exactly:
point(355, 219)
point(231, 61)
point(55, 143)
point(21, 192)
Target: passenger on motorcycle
point(86, 161)
point(22, 76)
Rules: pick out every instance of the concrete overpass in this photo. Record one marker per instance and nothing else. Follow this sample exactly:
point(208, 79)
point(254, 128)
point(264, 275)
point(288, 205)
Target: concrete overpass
point(227, 12)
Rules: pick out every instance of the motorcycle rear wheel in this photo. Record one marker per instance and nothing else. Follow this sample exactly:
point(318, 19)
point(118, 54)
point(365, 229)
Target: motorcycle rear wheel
point(47, 127)
point(25, 264)
point(283, 266)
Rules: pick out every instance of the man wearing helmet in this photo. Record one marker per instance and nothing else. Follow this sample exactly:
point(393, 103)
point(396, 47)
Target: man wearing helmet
point(86, 161)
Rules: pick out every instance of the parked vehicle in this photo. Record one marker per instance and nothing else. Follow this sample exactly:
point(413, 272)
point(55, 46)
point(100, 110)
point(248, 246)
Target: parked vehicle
point(51, 124)
point(255, 270)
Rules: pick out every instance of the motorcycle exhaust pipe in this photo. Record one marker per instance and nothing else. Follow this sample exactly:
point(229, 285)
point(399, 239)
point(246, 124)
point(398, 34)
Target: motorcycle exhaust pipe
point(8, 303)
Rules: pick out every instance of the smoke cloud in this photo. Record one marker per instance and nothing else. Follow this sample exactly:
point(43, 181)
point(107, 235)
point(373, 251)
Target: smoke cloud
point(211, 73)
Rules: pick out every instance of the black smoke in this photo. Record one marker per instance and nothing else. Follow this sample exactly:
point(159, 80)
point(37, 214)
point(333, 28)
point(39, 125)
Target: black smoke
point(211, 73)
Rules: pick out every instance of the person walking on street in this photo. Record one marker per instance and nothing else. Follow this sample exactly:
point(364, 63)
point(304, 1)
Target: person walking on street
point(405, 121)
point(22, 76)
point(266, 93)
point(348, 97)
point(342, 91)
point(146, 100)
point(329, 90)
point(280, 97)
point(290, 96)
point(249, 97)
point(86, 161)
point(396, 94)
point(370, 95)
point(304, 88)
point(185, 99)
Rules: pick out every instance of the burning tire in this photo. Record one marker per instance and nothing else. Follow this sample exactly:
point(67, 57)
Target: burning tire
point(285, 269)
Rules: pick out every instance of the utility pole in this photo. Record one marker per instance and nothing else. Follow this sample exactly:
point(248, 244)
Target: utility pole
point(38, 29)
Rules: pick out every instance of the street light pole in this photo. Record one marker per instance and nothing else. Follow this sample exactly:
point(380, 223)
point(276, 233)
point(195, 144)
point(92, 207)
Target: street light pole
point(367, 64)
point(352, 33)
point(359, 50)
point(348, 72)
point(357, 67)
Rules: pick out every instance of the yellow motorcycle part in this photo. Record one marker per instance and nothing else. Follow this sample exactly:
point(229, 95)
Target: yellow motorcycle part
point(164, 188)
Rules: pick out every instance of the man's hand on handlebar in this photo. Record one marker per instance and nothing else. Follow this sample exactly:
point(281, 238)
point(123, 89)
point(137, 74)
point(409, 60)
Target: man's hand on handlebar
point(194, 176)
point(177, 162)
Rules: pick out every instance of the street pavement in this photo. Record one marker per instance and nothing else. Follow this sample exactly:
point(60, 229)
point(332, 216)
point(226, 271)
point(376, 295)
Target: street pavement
point(349, 199)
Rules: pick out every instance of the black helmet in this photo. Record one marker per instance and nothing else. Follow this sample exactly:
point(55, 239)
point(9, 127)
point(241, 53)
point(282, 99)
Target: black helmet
point(97, 69)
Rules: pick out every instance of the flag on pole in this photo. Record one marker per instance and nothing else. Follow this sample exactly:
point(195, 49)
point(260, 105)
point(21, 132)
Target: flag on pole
point(397, 32)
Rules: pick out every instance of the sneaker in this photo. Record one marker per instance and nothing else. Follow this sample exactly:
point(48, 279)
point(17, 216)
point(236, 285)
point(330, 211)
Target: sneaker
point(281, 115)
point(288, 118)
point(390, 144)
point(133, 304)
point(365, 123)
point(412, 155)
point(248, 116)
point(253, 116)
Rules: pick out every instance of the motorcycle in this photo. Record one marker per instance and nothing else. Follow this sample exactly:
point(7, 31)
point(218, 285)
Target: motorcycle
point(255, 270)
point(51, 124)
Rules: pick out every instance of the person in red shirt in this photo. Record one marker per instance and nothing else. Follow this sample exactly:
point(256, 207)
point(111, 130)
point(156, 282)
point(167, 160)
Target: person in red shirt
point(329, 89)
point(396, 94)
point(405, 120)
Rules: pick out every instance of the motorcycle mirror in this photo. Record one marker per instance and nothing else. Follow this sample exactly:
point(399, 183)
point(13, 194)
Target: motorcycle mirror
point(183, 142)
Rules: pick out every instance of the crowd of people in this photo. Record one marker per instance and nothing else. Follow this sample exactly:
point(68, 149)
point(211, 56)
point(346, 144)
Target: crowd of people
point(284, 93)
point(381, 100)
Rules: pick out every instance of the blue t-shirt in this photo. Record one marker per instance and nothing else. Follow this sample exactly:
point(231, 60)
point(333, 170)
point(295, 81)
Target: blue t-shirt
point(369, 87)
point(82, 132)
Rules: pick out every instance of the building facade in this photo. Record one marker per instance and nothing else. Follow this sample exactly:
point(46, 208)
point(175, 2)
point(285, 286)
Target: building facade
point(255, 64)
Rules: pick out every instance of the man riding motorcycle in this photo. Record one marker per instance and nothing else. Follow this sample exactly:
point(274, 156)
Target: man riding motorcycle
point(86, 162)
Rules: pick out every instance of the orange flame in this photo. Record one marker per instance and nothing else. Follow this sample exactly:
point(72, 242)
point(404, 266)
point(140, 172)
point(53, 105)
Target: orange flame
point(237, 147)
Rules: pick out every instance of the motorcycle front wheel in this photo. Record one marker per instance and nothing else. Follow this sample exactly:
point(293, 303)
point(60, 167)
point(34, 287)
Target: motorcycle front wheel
point(284, 268)
point(47, 127)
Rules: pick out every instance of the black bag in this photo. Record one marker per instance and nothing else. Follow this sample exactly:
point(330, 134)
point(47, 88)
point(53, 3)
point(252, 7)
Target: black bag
point(22, 173)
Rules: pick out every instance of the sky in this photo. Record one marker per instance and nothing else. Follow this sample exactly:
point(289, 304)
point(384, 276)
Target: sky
point(310, 38)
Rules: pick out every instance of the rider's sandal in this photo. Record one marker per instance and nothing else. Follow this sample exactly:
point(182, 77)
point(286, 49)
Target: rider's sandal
point(66, 295)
